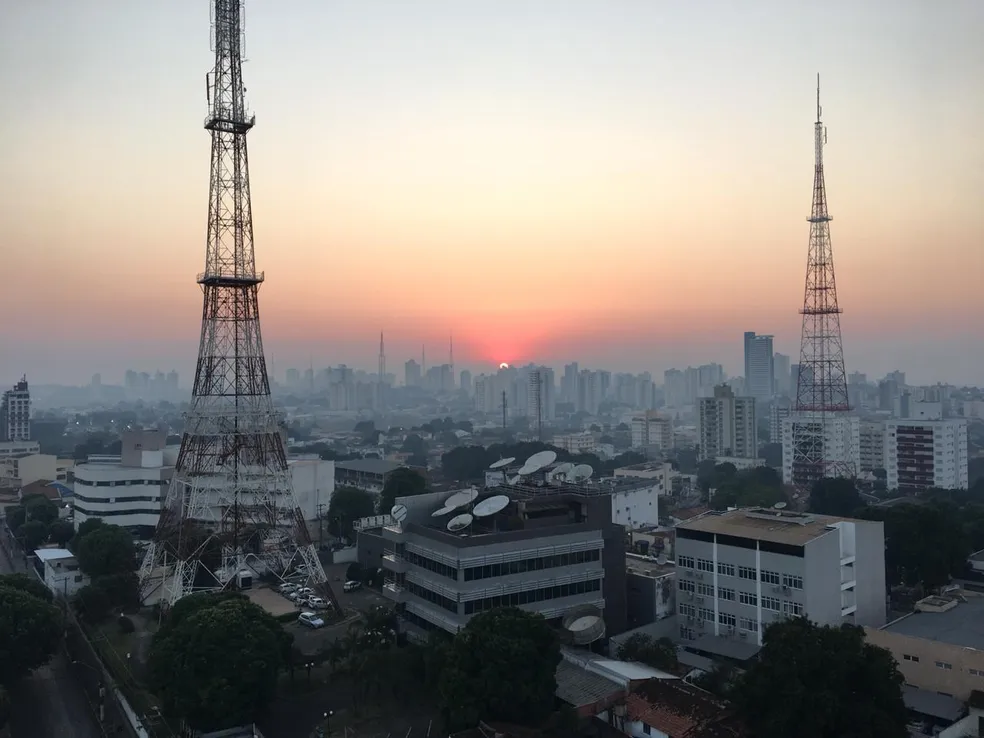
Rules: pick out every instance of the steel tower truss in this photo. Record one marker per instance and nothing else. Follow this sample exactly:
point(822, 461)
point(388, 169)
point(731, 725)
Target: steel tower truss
point(821, 386)
point(230, 507)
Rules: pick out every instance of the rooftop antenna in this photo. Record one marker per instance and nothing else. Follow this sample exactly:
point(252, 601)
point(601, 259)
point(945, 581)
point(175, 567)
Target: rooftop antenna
point(399, 514)
point(504, 406)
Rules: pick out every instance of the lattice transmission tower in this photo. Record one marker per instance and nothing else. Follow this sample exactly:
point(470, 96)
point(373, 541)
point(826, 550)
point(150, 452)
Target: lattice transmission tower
point(820, 424)
point(230, 507)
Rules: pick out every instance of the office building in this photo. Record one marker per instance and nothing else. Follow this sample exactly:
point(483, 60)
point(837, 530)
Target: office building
point(926, 453)
point(838, 435)
point(15, 414)
point(781, 370)
point(412, 374)
point(126, 490)
point(726, 425)
point(779, 410)
point(551, 552)
point(739, 571)
point(760, 379)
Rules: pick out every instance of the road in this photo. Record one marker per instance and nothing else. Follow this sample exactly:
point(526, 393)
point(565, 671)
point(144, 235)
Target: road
point(50, 703)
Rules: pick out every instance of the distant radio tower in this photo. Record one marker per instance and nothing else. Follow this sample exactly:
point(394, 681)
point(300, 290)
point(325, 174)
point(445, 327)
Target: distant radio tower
point(821, 386)
point(505, 406)
point(230, 509)
point(536, 400)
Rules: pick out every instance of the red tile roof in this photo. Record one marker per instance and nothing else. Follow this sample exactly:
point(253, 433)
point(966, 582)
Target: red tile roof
point(40, 487)
point(681, 710)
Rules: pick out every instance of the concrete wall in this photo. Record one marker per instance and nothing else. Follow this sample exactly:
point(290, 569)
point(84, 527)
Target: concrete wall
point(957, 681)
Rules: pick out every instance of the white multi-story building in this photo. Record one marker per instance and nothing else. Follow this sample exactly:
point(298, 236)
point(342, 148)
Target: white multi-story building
point(741, 570)
point(872, 444)
point(15, 413)
point(926, 453)
point(576, 443)
point(840, 437)
point(126, 490)
point(652, 429)
point(726, 425)
point(60, 571)
point(778, 411)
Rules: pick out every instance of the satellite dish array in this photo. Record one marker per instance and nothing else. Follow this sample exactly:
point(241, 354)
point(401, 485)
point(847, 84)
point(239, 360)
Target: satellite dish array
point(565, 471)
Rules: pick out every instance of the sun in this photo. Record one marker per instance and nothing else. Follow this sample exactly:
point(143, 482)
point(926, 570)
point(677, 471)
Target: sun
point(503, 365)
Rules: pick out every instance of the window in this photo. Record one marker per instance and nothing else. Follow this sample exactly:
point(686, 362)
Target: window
point(685, 585)
point(516, 599)
point(907, 657)
point(748, 598)
point(770, 577)
point(705, 614)
point(792, 581)
point(473, 573)
point(726, 618)
point(749, 624)
point(705, 565)
point(726, 594)
point(976, 672)
point(747, 572)
point(772, 603)
point(688, 611)
point(705, 590)
point(686, 562)
point(687, 634)
point(944, 665)
point(646, 729)
point(792, 608)
point(726, 570)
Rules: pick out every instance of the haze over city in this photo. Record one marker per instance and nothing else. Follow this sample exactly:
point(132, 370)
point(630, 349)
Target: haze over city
point(622, 184)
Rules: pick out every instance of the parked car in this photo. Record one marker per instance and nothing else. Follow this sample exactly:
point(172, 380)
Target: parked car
point(287, 587)
point(351, 586)
point(311, 620)
point(316, 603)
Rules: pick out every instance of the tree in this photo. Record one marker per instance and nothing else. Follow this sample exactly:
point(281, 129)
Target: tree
point(61, 532)
point(402, 482)
point(191, 604)
point(92, 603)
point(4, 708)
point(39, 507)
point(348, 505)
point(106, 550)
point(30, 632)
point(32, 534)
point(353, 572)
point(501, 666)
point(28, 584)
point(218, 667)
point(87, 526)
point(821, 682)
point(659, 654)
point(837, 496)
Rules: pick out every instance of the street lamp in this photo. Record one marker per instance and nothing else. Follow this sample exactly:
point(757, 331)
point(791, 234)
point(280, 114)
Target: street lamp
point(324, 731)
point(102, 688)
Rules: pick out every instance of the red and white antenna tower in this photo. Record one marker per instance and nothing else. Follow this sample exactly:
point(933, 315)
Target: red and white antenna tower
point(821, 405)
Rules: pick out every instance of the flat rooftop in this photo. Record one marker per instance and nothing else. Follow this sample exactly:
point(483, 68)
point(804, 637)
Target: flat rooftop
point(648, 568)
point(368, 466)
point(962, 625)
point(768, 524)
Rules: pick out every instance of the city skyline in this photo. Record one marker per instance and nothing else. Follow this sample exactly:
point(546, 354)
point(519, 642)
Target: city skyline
point(581, 211)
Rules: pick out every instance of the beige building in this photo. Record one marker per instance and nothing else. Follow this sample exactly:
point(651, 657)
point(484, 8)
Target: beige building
point(940, 646)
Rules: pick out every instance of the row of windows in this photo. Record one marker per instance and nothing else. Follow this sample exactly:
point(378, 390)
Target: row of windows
point(112, 513)
point(945, 665)
point(534, 595)
point(744, 572)
point(430, 565)
point(535, 564)
point(116, 500)
point(426, 594)
point(123, 482)
point(749, 624)
point(724, 618)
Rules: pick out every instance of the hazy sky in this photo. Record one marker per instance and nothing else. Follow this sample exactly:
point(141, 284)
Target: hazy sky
point(622, 182)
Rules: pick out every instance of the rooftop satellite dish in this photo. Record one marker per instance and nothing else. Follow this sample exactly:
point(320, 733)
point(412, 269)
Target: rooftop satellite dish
point(442, 511)
point(661, 559)
point(490, 506)
point(459, 522)
point(580, 473)
point(564, 468)
point(503, 462)
point(516, 480)
point(399, 513)
point(460, 499)
point(525, 470)
point(779, 506)
point(539, 460)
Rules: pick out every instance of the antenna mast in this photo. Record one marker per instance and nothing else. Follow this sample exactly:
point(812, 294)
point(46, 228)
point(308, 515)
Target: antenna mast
point(821, 405)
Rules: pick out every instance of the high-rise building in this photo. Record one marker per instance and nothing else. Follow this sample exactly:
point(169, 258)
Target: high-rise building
point(15, 413)
point(836, 438)
point(466, 381)
point(726, 425)
point(742, 570)
point(781, 372)
point(412, 373)
point(778, 412)
point(920, 454)
point(652, 429)
point(872, 440)
point(568, 383)
point(541, 402)
point(760, 378)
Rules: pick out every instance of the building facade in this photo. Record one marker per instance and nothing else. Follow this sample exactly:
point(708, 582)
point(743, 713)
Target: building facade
point(652, 429)
point(726, 425)
point(740, 570)
point(60, 572)
point(926, 453)
point(560, 553)
point(760, 378)
point(871, 437)
point(15, 413)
